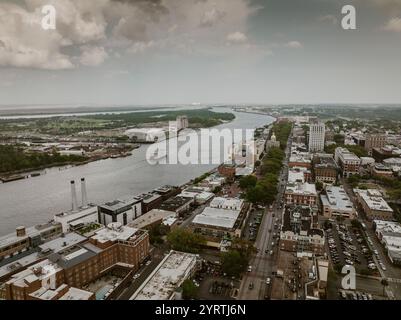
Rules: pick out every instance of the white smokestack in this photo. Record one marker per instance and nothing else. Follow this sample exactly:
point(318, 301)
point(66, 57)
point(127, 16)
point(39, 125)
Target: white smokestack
point(74, 196)
point(83, 193)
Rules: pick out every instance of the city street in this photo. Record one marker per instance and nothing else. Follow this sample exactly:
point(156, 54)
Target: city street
point(263, 263)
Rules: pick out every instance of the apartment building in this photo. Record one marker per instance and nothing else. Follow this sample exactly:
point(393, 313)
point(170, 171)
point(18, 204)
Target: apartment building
point(348, 162)
point(336, 203)
point(300, 231)
point(80, 264)
point(300, 194)
point(325, 169)
point(373, 204)
point(374, 140)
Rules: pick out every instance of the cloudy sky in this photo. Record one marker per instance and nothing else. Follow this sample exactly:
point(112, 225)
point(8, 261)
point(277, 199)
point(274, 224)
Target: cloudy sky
point(122, 52)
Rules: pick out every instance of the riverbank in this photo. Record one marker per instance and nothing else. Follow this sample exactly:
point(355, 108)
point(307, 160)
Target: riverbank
point(35, 171)
point(32, 201)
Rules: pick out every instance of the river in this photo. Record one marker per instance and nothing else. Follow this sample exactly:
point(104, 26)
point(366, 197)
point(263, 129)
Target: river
point(36, 200)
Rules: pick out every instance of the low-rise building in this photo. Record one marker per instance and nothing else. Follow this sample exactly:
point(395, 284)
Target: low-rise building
point(169, 275)
point(392, 162)
point(79, 264)
point(300, 232)
point(122, 211)
point(325, 169)
point(179, 205)
point(389, 234)
point(152, 218)
point(388, 151)
point(300, 193)
point(373, 204)
point(336, 203)
point(299, 174)
point(223, 220)
point(25, 239)
point(380, 170)
point(73, 219)
point(198, 194)
point(300, 159)
point(151, 200)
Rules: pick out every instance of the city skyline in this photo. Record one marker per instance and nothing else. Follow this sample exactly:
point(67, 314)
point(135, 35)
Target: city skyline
point(170, 52)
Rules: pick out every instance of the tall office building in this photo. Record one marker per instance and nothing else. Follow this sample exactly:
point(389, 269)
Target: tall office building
point(316, 136)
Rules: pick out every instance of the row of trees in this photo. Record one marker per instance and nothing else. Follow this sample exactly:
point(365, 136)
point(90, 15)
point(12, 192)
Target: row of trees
point(14, 158)
point(264, 190)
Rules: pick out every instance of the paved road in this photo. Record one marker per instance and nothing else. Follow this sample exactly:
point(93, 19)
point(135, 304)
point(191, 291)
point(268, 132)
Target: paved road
point(263, 263)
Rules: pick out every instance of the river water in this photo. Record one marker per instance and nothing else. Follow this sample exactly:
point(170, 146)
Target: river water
point(36, 200)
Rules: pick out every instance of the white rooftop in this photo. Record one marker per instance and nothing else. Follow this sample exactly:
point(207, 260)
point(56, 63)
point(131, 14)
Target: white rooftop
point(297, 174)
point(301, 188)
point(373, 199)
point(114, 232)
point(337, 198)
point(167, 277)
point(151, 217)
point(217, 217)
point(227, 203)
point(60, 243)
point(76, 294)
point(40, 271)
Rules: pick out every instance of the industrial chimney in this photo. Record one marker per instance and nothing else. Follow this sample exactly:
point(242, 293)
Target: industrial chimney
point(74, 196)
point(83, 192)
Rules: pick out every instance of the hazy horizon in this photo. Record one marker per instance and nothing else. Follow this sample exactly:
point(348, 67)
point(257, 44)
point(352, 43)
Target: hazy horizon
point(166, 52)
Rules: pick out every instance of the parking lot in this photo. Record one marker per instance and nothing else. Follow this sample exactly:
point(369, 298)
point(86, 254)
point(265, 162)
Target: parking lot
point(348, 245)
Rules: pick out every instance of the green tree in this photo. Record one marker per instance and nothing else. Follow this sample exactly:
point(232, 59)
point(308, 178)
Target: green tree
point(319, 186)
point(189, 290)
point(185, 240)
point(247, 181)
point(233, 263)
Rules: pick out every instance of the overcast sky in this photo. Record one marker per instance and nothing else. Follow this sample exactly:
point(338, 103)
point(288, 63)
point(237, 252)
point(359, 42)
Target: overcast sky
point(207, 51)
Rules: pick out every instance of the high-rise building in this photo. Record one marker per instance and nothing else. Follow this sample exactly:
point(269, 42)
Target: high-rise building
point(374, 141)
point(317, 132)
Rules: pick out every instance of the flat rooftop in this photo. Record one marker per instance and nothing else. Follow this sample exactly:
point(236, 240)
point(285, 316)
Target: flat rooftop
point(301, 188)
point(76, 294)
point(148, 197)
point(347, 155)
point(114, 232)
point(217, 217)
point(29, 232)
point(373, 200)
point(337, 198)
point(167, 277)
point(151, 217)
point(19, 264)
point(39, 271)
point(175, 203)
point(63, 242)
point(227, 203)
